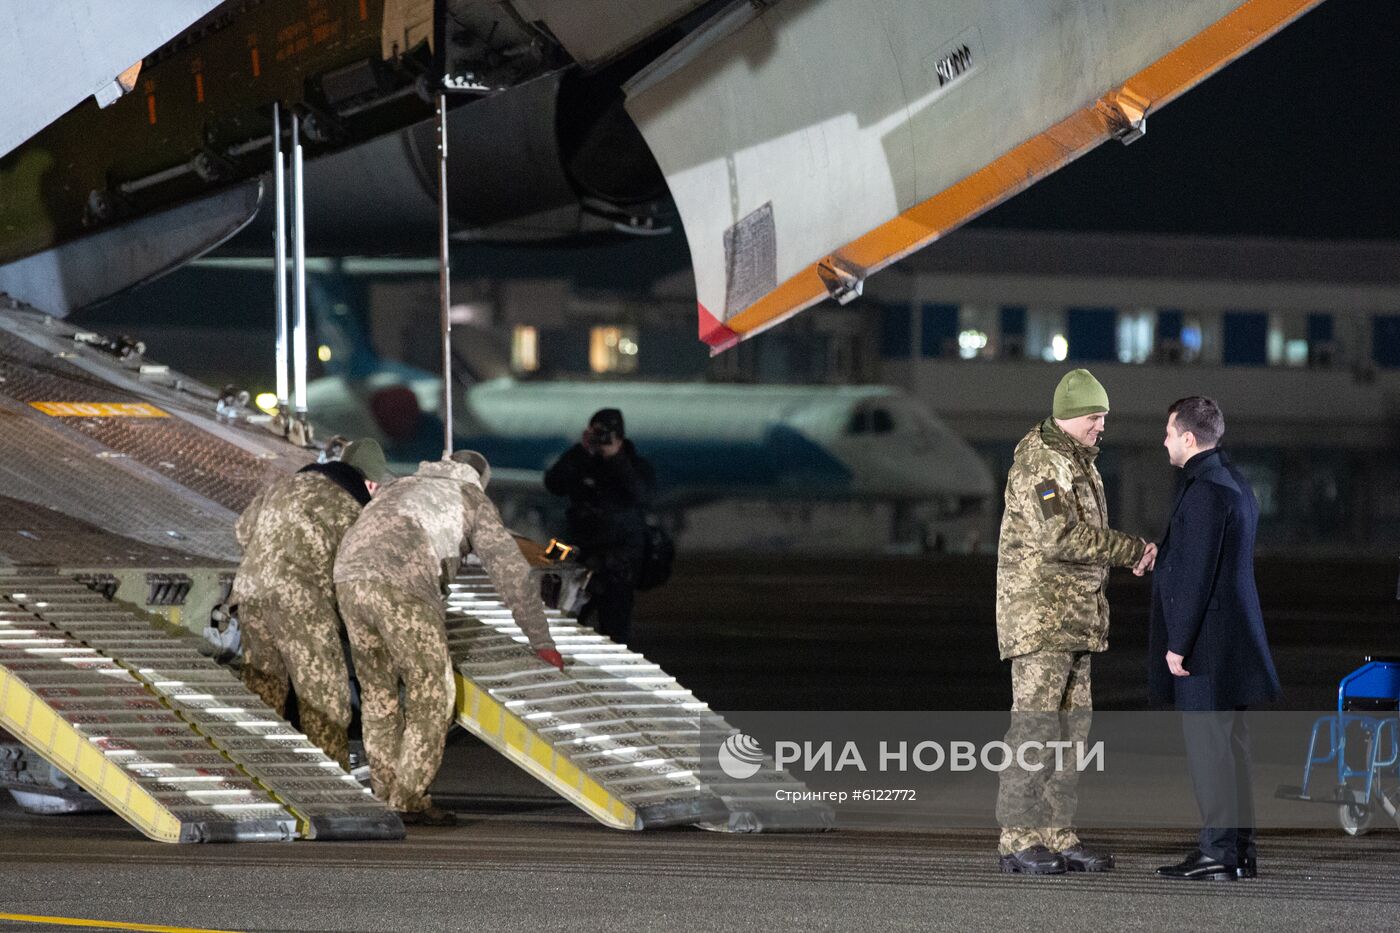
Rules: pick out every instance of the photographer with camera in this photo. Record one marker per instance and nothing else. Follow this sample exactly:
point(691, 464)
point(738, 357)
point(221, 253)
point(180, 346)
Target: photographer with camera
point(609, 486)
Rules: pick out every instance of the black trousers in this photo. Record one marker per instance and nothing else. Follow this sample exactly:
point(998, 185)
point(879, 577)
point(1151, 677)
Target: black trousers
point(615, 561)
point(613, 597)
point(1217, 756)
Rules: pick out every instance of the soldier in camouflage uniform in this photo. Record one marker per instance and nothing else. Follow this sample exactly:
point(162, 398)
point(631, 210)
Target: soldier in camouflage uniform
point(390, 577)
point(286, 601)
point(1052, 566)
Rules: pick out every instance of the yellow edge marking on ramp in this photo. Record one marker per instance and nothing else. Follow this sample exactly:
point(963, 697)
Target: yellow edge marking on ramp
point(28, 718)
point(483, 716)
point(99, 410)
point(1171, 75)
point(103, 924)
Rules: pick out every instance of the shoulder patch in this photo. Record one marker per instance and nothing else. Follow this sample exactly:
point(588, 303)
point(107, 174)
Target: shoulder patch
point(1052, 501)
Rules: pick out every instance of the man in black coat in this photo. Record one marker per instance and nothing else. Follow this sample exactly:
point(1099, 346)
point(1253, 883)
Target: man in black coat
point(1207, 650)
point(609, 486)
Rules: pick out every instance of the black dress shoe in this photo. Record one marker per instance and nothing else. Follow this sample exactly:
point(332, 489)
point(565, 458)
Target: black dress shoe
point(1247, 868)
point(1078, 858)
point(1037, 860)
point(1198, 867)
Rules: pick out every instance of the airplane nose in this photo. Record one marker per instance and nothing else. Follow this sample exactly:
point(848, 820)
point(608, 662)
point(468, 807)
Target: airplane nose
point(950, 468)
point(977, 475)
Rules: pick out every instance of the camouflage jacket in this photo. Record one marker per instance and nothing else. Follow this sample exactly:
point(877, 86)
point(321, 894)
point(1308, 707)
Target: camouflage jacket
point(415, 533)
point(291, 530)
point(1056, 548)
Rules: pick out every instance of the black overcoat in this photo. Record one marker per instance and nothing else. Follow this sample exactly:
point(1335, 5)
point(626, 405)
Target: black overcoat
point(1204, 602)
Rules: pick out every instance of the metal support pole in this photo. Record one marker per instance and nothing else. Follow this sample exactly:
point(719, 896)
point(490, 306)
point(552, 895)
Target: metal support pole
point(298, 275)
point(279, 240)
point(444, 277)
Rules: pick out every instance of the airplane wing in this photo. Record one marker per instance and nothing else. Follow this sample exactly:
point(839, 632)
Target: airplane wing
point(810, 144)
point(65, 50)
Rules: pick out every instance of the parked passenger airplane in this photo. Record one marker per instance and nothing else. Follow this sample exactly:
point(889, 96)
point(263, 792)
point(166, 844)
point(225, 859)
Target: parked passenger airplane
point(707, 441)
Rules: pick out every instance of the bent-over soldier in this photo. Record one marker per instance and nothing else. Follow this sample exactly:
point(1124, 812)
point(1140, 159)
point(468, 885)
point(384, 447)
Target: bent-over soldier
point(390, 578)
point(286, 600)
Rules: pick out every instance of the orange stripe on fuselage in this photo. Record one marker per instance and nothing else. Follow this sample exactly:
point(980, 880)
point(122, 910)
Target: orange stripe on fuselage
point(1165, 79)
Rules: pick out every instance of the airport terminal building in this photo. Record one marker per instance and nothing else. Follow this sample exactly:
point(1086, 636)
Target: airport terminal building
point(1298, 340)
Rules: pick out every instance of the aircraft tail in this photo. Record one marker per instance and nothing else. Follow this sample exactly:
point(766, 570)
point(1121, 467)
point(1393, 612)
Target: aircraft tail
point(337, 316)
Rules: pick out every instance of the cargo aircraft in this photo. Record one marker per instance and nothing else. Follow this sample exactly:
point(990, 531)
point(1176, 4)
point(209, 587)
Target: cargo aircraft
point(803, 145)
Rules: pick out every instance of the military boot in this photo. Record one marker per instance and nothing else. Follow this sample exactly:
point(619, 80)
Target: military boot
point(1037, 860)
point(1079, 858)
point(432, 816)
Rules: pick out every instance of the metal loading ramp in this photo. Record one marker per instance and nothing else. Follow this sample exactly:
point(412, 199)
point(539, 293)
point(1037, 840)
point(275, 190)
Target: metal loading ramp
point(613, 733)
point(169, 740)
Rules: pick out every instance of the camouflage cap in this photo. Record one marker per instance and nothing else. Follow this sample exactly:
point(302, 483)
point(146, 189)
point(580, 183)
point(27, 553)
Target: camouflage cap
point(366, 456)
point(476, 461)
point(1078, 394)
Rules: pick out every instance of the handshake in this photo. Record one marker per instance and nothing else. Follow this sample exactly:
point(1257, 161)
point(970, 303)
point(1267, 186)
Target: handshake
point(1147, 562)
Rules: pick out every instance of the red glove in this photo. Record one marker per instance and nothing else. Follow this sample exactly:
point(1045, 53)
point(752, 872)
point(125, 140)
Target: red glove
point(550, 656)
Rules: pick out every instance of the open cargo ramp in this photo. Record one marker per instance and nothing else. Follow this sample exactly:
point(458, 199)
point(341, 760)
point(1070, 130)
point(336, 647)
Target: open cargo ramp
point(613, 733)
point(170, 741)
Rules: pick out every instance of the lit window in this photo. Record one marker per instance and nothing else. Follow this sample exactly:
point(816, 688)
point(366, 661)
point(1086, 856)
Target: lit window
point(976, 325)
point(1192, 339)
point(525, 349)
point(971, 343)
point(1136, 335)
point(1287, 343)
point(1043, 327)
point(1295, 353)
point(478, 314)
point(612, 350)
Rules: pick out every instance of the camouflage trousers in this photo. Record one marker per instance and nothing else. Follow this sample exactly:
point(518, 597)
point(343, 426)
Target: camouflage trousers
point(397, 637)
point(1051, 702)
point(292, 638)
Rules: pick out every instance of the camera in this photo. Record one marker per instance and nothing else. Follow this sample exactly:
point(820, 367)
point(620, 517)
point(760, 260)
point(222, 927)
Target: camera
point(600, 437)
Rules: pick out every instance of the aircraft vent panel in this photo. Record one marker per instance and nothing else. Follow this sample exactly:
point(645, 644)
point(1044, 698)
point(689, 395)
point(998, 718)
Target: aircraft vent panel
point(54, 469)
point(613, 733)
point(33, 535)
point(172, 742)
point(173, 476)
point(129, 426)
point(208, 466)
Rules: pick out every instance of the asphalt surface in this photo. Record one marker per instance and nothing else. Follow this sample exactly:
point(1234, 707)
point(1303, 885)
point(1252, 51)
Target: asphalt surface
point(747, 634)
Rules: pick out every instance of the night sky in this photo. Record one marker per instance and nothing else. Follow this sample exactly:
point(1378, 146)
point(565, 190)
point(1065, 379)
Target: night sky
point(1299, 138)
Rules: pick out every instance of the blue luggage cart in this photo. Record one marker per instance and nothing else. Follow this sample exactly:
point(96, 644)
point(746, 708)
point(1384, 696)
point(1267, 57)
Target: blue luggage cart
point(1354, 754)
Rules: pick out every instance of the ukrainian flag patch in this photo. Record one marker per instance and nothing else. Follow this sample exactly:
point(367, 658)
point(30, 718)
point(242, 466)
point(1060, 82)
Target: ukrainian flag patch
point(1051, 502)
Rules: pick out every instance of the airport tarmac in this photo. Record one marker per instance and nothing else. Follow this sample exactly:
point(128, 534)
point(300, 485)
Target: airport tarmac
point(746, 633)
